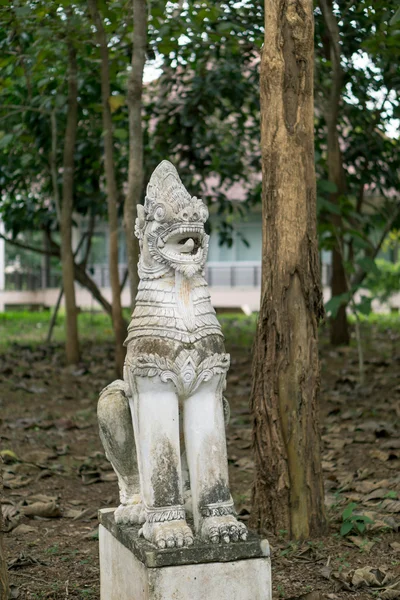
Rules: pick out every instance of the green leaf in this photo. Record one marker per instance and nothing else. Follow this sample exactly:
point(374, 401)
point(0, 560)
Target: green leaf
point(6, 140)
point(346, 528)
point(368, 265)
point(348, 511)
point(327, 186)
point(328, 206)
point(365, 305)
point(121, 134)
point(396, 17)
point(391, 494)
point(116, 102)
point(360, 526)
point(224, 27)
point(364, 518)
point(333, 305)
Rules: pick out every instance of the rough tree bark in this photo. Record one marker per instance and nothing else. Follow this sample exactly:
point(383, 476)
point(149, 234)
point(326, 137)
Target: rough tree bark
point(112, 192)
point(135, 173)
point(288, 488)
point(4, 589)
point(67, 256)
point(339, 328)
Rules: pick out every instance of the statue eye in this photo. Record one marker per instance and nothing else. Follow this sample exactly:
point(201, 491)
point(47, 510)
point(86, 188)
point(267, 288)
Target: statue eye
point(160, 213)
point(204, 213)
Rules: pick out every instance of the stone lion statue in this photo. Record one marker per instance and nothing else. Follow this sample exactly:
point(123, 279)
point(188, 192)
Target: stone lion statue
point(163, 426)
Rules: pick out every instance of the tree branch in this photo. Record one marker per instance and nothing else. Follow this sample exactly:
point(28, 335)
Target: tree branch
point(335, 52)
point(360, 276)
point(27, 246)
point(81, 276)
point(22, 108)
point(53, 164)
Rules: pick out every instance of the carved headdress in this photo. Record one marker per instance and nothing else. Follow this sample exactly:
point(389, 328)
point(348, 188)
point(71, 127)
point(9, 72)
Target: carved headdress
point(170, 225)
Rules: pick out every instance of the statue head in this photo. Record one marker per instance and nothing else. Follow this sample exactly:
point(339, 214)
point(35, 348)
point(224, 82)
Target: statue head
point(170, 226)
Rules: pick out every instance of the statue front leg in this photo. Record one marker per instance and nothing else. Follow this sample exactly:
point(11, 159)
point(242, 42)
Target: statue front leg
point(116, 433)
point(213, 509)
point(156, 418)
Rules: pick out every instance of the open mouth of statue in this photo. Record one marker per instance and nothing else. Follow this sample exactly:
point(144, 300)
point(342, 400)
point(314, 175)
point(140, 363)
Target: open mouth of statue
point(183, 244)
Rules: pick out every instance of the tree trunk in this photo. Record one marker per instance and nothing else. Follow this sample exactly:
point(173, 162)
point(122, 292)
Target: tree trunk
point(338, 325)
point(112, 193)
point(288, 488)
point(4, 589)
point(67, 256)
point(339, 328)
point(135, 173)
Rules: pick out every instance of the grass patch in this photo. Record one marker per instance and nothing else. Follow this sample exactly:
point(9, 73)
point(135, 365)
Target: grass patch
point(238, 329)
point(381, 321)
point(30, 328)
point(25, 327)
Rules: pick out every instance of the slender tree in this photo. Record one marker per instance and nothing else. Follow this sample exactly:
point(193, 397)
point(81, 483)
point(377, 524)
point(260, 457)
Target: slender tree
point(4, 589)
point(136, 172)
point(67, 255)
point(112, 192)
point(339, 328)
point(288, 489)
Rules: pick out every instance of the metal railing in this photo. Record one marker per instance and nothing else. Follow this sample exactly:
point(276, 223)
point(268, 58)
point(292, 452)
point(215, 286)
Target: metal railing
point(32, 280)
point(231, 275)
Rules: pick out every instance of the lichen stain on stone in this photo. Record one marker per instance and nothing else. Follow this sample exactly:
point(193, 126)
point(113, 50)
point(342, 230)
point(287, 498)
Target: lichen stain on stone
point(151, 345)
point(165, 479)
point(218, 492)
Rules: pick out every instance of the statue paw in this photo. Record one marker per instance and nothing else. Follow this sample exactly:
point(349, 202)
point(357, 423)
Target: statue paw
point(130, 513)
point(223, 529)
point(168, 534)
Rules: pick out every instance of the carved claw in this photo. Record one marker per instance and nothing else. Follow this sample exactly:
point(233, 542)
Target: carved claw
point(168, 534)
point(129, 514)
point(161, 543)
point(188, 540)
point(214, 539)
point(234, 533)
point(224, 529)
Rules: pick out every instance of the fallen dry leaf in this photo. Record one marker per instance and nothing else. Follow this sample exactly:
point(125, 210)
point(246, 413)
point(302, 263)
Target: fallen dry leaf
point(16, 483)
point(363, 543)
point(368, 576)
point(392, 506)
point(245, 463)
point(42, 509)
point(365, 487)
point(38, 456)
point(9, 456)
point(22, 529)
point(379, 454)
point(42, 498)
point(24, 560)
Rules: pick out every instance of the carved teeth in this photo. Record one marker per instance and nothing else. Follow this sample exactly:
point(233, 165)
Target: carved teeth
point(160, 243)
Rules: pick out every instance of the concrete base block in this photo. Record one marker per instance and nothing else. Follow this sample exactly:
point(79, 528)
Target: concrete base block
point(133, 569)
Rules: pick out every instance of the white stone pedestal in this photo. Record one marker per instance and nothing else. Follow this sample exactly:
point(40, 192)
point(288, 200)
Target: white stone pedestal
point(133, 569)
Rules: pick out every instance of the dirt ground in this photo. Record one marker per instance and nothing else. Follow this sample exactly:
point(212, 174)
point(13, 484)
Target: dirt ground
point(56, 476)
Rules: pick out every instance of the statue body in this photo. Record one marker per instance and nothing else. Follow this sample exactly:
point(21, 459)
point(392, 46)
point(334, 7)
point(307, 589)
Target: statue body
point(163, 427)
